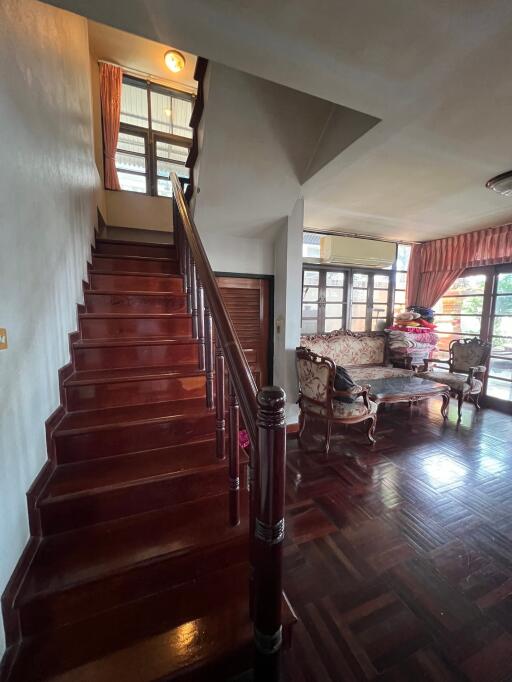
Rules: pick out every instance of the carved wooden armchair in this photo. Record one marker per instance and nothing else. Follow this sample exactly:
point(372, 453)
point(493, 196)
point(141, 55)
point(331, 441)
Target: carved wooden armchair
point(317, 397)
point(467, 367)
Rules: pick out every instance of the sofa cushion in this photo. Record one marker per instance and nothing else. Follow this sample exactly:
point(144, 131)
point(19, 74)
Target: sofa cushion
point(346, 349)
point(458, 382)
point(364, 375)
point(345, 410)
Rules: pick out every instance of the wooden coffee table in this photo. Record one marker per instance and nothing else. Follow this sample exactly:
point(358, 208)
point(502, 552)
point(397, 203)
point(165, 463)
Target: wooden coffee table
point(408, 389)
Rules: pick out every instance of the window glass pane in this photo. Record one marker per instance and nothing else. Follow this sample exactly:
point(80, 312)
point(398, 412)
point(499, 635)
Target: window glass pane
point(334, 294)
point(311, 277)
point(360, 280)
point(310, 294)
point(134, 105)
point(359, 295)
point(332, 325)
point(400, 298)
point(309, 326)
point(137, 164)
point(502, 326)
point(378, 324)
point(472, 284)
point(333, 310)
point(501, 368)
point(165, 168)
point(164, 188)
point(131, 143)
point(503, 305)
point(502, 347)
point(132, 183)
point(505, 283)
point(457, 324)
point(380, 281)
point(336, 279)
point(309, 310)
point(401, 280)
point(172, 152)
point(496, 388)
point(459, 305)
point(380, 296)
point(358, 325)
point(402, 256)
point(358, 310)
point(171, 114)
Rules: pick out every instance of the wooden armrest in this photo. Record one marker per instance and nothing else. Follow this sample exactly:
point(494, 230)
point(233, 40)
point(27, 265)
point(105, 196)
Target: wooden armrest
point(426, 362)
point(474, 372)
point(355, 392)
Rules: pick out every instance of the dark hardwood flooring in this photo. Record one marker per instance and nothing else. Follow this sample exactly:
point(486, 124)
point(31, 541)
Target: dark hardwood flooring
point(398, 559)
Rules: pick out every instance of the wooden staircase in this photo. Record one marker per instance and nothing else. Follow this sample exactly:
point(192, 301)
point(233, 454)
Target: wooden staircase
point(133, 572)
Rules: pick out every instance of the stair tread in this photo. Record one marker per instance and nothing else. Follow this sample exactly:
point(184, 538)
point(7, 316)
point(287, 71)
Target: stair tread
point(92, 476)
point(129, 242)
point(134, 341)
point(115, 416)
point(183, 630)
point(134, 273)
point(97, 376)
point(117, 292)
point(107, 548)
point(133, 316)
point(125, 256)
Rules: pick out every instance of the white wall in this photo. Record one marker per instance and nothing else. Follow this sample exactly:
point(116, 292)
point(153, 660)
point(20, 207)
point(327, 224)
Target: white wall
point(287, 300)
point(48, 182)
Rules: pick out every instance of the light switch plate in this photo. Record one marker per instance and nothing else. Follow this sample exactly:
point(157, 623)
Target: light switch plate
point(3, 339)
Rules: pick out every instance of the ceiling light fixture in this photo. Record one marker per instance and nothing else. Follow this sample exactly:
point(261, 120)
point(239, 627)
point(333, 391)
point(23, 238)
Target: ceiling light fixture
point(174, 61)
point(502, 184)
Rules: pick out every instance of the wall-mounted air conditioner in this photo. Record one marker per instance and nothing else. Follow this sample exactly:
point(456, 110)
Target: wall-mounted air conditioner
point(356, 253)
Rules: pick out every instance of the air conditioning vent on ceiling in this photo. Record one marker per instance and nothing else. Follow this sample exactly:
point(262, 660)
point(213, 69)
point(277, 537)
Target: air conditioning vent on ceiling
point(354, 252)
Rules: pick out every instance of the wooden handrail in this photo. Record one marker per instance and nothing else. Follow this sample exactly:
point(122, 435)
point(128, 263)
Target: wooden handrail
point(240, 372)
point(263, 414)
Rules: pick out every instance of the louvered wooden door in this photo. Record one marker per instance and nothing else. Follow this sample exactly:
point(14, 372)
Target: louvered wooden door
point(248, 303)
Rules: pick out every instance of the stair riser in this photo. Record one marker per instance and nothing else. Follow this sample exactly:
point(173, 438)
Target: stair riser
point(121, 439)
point(50, 612)
point(135, 303)
point(127, 283)
point(140, 392)
point(169, 267)
point(146, 250)
point(135, 328)
point(161, 355)
point(92, 508)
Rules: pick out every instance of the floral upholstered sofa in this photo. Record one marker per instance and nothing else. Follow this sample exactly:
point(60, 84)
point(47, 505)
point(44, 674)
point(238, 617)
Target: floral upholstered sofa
point(362, 354)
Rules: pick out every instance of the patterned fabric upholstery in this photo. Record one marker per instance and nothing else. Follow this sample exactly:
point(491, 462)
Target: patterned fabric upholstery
point(363, 375)
point(456, 381)
point(345, 410)
point(466, 355)
point(345, 349)
point(313, 379)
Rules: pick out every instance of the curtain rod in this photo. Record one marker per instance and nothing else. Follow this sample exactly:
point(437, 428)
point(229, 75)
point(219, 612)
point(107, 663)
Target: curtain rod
point(360, 236)
point(155, 79)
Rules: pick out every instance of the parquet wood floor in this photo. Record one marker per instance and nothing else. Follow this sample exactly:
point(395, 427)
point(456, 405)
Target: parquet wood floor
point(398, 558)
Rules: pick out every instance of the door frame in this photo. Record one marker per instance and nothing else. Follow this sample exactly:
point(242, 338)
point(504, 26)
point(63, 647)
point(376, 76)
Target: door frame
point(270, 344)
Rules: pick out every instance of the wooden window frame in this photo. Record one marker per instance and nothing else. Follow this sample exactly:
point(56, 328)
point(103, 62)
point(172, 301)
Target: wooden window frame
point(153, 136)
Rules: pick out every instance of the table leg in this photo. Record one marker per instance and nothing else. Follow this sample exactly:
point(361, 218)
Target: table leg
point(444, 407)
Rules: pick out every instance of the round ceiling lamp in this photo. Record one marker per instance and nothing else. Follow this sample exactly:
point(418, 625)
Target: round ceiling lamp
point(174, 61)
point(502, 184)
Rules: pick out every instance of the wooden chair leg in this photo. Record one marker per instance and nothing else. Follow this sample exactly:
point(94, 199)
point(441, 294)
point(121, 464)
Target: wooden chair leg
point(476, 400)
point(302, 425)
point(371, 428)
point(460, 400)
point(327, 437)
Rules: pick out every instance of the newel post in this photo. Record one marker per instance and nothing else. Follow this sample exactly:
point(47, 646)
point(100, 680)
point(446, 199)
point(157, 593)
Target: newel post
point(269, 500)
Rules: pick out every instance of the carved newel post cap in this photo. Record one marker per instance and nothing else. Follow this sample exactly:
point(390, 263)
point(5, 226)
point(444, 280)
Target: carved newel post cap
point(271, 398)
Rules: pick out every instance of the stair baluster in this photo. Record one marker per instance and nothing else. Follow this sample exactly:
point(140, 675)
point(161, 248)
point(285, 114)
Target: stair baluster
point(200, 323)
point(234, 457)
point(209, 355)
point(195, 314)
point(188, 276)
point(220, 426)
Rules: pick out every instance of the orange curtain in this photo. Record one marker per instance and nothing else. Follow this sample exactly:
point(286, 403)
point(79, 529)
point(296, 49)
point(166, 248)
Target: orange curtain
point(435, 265)
point(111, 79)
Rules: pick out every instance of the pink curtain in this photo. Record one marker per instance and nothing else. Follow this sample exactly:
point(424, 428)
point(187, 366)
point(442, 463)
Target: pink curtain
point(111, 79)
point(434, 266)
